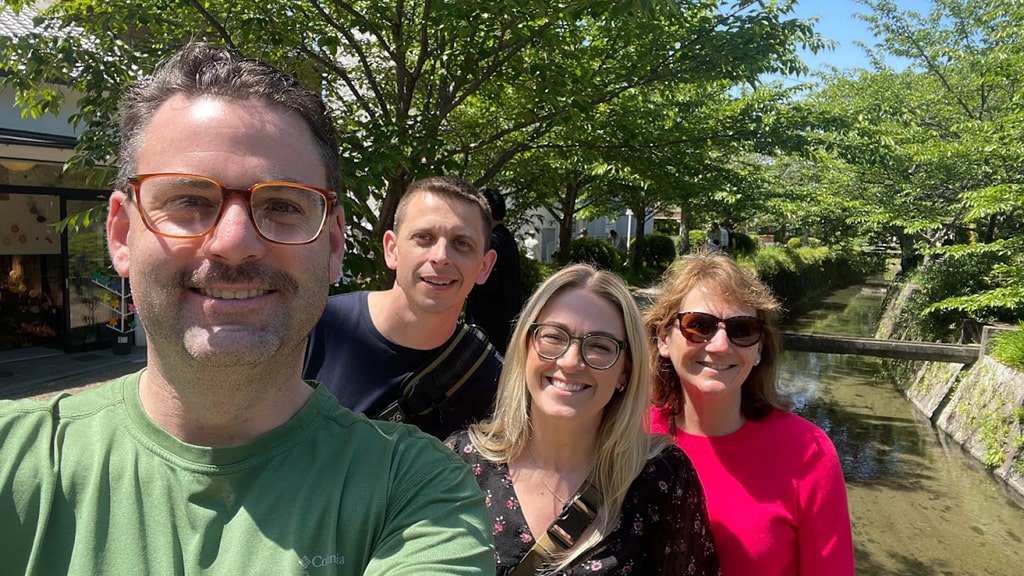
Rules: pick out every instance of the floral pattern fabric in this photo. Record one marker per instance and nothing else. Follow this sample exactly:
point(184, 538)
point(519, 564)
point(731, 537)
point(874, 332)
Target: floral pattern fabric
point(663, 526)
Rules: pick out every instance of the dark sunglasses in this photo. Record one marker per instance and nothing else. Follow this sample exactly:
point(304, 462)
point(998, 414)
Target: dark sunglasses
point(699, 328)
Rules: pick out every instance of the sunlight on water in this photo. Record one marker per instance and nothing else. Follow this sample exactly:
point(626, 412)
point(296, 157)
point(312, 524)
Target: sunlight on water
point(919, 506)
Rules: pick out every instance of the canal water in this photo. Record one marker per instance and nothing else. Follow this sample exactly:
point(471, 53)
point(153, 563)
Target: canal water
point(919, 505)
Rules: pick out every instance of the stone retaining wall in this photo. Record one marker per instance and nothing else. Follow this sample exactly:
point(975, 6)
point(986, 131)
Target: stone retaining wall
point(980, 405)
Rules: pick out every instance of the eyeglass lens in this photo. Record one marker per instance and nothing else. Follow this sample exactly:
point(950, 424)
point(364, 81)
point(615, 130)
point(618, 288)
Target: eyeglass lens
point(698, 327)
point(189, 206)
point(599, 352)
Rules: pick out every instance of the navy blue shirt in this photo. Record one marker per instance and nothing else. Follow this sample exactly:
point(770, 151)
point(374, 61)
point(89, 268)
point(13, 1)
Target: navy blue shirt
point(364, 370)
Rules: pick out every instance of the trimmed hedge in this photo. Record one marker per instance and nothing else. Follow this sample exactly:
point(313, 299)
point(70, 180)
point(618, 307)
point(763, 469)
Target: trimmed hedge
point(800, 276)
point(659, 251)
point(595, 251)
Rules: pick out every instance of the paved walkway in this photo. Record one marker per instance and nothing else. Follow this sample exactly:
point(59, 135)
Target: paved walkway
point(42, 372)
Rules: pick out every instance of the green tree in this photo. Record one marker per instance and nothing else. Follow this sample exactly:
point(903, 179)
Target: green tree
point(419, 88)
point(933, 154)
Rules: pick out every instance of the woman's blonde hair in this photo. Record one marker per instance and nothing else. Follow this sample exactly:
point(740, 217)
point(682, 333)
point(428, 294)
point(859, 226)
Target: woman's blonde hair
point(721, 276)
point(623, 444)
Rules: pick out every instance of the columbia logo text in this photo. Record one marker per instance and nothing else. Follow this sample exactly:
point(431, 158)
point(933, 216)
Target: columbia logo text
point(320, 561)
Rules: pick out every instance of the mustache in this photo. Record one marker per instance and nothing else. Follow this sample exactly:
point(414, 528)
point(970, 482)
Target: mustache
point(253, 273)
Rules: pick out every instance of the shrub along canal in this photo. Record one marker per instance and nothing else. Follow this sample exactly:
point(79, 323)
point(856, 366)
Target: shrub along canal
point(919, 505)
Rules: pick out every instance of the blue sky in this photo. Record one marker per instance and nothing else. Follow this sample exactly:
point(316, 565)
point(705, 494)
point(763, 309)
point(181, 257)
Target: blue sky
point(837, 22)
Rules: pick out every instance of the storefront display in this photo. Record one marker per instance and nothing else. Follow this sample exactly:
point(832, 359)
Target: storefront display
point(31, 301)
point(116, 299)
point(47, 296)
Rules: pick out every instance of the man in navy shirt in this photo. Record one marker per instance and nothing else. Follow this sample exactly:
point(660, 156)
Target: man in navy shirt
point(368, 343)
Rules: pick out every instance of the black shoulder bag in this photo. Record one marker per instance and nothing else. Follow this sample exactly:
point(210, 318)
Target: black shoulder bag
point(563, 532)
point(431, 386)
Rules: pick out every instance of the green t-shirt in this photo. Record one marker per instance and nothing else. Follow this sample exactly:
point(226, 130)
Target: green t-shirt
point(90, 485)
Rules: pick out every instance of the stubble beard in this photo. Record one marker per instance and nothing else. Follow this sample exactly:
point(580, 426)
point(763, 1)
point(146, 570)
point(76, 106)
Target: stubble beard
point(174, 325)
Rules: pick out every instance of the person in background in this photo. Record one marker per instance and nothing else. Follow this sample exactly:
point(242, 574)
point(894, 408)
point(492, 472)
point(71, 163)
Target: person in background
point(371, 347)
point(217, 458)
point(714, 236)
point(495, 304)
point(617, 242)
point(725, 237)
point(532, 245)
point(773, 480)
point(574, 483)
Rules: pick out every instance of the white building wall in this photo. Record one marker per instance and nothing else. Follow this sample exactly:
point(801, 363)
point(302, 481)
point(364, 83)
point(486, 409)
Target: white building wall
point(546, 229)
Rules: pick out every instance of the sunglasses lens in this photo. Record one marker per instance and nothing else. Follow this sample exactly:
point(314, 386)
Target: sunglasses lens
point(743, 330)
point(698, 327)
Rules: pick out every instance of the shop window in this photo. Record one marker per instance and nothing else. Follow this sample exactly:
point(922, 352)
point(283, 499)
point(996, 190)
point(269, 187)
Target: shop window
point(31, 295)
point(88, 261)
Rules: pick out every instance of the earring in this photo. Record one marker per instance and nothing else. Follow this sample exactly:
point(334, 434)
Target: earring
point(621, 387)
point(757, 361)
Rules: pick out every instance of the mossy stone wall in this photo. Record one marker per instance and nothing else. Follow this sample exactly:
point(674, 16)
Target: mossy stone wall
point(980, 405)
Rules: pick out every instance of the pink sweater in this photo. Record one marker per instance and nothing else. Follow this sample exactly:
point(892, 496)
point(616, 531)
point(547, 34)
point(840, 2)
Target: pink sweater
point(776, 497)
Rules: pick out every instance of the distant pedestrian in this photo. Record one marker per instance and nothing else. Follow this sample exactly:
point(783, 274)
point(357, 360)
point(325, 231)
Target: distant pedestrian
point(495, 304)
point(617, 242)
point(725, 238)
point(714, 236)
point(532, 245)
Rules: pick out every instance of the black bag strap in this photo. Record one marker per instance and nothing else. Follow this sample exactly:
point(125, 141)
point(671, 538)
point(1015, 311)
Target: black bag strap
point(563, 532)
point(429, 387)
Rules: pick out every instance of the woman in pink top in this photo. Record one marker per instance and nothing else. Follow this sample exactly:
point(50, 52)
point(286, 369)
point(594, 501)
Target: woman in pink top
point(773, 481)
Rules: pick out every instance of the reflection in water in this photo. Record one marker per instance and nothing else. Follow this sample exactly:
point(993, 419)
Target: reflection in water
point(919, 506)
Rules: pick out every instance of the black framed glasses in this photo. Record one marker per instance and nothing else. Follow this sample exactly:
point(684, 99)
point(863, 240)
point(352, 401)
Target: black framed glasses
point(178, 205)
point(599, 351)
point(699, 328)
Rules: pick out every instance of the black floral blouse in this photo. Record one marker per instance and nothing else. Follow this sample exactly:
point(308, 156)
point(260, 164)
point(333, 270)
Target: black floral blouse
point(663, 528)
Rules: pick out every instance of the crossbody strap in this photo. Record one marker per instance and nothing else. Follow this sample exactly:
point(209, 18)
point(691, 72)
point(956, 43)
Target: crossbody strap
point(563, 532)
point(426, 389)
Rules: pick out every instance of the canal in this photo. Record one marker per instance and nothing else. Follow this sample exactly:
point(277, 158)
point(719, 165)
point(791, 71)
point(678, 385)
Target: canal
point(919, 505)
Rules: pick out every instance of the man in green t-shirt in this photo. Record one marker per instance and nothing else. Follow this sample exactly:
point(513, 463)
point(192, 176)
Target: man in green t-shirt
point(217, 458)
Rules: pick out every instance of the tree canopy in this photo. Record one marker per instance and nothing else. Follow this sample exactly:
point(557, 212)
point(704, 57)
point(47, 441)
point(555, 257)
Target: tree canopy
point(932, 155)
point(421, 88)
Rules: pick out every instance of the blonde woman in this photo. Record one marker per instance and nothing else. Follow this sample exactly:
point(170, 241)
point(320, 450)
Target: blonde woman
point(567, 440)
point(774, 484)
